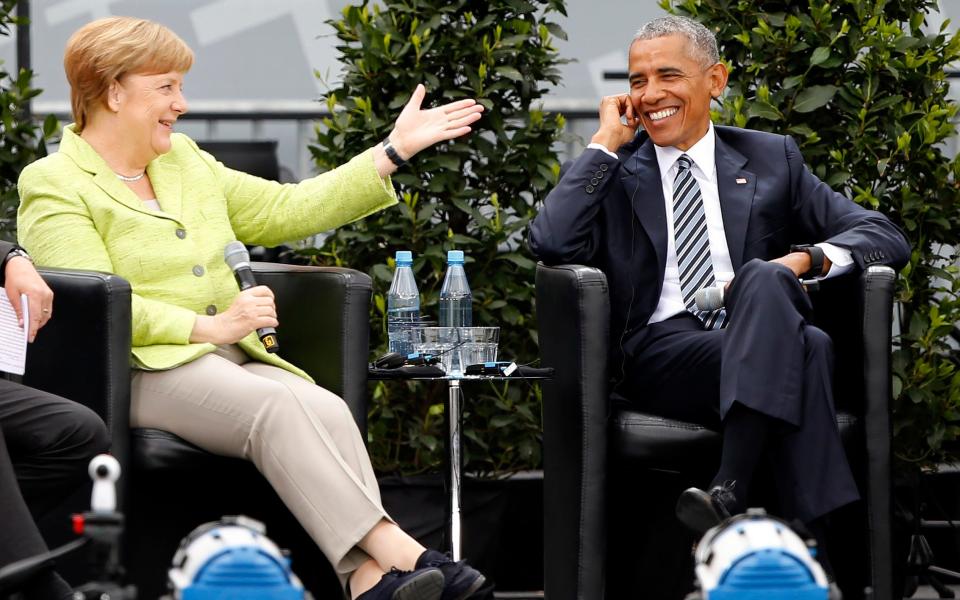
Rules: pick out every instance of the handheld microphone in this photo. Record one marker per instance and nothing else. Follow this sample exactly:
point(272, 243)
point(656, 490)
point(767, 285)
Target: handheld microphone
point(238, 259)
point(709, 298)
point(713, 298)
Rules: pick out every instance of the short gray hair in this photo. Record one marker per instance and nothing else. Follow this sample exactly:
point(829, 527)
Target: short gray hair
point(701, 40)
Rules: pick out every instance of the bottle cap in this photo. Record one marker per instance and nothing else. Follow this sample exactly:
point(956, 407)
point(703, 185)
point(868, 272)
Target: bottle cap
point(404, 257)
point(455, 257)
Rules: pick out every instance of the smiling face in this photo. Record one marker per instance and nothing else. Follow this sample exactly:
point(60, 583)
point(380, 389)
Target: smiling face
point(671, 90)
point(147, 106)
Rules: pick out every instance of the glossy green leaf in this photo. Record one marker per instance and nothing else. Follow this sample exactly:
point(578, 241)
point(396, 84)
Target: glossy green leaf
point(764, 110)
point(819, 55)
point(814, 97)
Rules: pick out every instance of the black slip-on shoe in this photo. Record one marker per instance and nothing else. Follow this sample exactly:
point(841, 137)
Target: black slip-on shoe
point(419, 584)
point(461, 581)
point(700, 510)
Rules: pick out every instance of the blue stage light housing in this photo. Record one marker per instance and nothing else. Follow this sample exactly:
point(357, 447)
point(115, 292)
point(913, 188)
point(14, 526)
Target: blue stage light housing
point(757, 557)
point(232, 558)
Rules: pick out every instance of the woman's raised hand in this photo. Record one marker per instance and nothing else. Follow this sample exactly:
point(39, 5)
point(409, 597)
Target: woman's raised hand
point(417, 128)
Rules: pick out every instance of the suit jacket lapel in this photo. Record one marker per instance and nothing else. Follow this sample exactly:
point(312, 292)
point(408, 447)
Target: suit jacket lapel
point(107, 181)
point(81, 153)
point(165, 178)
point(736, 188)
point(641, 183)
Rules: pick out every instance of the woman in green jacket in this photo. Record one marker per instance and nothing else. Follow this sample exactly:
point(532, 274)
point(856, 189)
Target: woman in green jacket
point(125, 194)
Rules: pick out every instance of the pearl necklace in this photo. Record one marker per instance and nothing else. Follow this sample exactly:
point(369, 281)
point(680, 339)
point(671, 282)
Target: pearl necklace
point(130, 179)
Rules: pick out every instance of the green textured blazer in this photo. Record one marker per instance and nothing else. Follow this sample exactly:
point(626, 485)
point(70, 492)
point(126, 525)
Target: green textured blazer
point(75, 213)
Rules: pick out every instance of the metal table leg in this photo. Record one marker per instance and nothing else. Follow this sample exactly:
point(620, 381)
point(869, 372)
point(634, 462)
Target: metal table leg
point(453, 416)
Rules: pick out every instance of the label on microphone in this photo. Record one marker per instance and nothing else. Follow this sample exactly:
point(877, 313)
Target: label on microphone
point(270, 343)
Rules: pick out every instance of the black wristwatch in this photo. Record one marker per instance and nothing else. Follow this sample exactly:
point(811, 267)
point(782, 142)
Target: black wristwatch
point(816, 259)
point(16, 251)
point(392, 153)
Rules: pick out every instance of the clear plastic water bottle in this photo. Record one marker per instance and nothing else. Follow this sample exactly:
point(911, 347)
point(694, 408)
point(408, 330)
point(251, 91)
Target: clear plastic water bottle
point(456, 301)
point(403, 305)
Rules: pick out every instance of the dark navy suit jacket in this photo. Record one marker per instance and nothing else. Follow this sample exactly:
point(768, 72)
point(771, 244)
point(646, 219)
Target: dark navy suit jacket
point(610, 214)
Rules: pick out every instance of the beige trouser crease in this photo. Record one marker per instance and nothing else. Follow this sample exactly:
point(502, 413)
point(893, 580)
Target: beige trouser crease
point(300, 436)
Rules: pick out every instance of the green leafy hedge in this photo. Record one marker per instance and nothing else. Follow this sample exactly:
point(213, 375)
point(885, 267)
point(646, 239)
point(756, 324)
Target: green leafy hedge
point(862, 87)
point(21, 140)
point(476, 194)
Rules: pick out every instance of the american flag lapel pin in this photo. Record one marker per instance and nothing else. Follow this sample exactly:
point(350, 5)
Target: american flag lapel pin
point(741, 181)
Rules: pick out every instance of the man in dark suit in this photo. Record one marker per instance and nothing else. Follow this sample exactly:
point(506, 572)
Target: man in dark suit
point(45, 441)
point(683, 206)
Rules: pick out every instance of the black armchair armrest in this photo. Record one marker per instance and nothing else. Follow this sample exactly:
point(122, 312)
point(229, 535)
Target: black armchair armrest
point(877, 287)
point(324, 326)
point(83, 352)
point(573, 312)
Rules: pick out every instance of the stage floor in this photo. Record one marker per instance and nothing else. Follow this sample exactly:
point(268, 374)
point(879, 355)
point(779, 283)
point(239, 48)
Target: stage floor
point(926, 592)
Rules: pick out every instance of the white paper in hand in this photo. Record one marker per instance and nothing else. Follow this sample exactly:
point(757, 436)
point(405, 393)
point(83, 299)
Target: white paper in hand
point(13, 338)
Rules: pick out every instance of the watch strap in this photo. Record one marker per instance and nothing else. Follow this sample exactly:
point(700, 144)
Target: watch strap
point(816, 259)
point(15, 251)
point(392, 153)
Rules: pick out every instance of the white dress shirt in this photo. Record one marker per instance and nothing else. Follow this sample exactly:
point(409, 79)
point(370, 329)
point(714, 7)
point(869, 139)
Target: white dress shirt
point(704, 170)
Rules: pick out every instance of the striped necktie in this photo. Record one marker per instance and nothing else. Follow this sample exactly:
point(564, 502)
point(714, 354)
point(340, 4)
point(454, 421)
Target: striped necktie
point(693, 243)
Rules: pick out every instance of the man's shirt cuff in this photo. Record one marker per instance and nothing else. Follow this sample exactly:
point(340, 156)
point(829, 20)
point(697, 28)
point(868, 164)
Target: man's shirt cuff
point(841, 259)
point(602, 148)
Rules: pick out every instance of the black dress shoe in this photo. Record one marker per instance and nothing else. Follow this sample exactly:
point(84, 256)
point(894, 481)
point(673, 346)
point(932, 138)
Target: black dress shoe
point(700, 510)
point(460, 580)
point(419, 584)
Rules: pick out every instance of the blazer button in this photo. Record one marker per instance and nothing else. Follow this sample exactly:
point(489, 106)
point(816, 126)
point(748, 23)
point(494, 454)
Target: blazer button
point(594, 181)
point(603, 167)
point(181, 233)
point(198, 271)
point(598, 174)
point(211, 310)
point(590, 189)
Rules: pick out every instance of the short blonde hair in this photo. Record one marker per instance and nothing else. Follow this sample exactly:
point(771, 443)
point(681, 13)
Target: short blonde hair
point(104, 50)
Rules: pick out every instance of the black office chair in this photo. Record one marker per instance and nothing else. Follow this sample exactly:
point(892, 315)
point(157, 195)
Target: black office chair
point(590, 449)
point(170, 486)
point(256, 157)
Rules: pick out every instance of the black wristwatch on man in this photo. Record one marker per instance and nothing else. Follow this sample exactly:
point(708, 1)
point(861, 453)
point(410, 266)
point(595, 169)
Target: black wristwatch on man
point(15, 251)
point(816, 259)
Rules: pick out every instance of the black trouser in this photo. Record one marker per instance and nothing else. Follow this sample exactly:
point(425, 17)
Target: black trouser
point(769, 359)
point(45, 445)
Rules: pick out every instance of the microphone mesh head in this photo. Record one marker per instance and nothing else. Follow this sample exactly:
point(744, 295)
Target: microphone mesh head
point(710, 298)
point(235, 254)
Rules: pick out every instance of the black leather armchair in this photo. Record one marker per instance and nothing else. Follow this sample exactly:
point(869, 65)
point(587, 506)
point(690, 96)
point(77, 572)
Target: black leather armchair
point(586, 441)
point(170, 486)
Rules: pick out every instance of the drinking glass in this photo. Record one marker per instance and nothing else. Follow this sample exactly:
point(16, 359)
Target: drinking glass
point(442, 342)
point(479, 345)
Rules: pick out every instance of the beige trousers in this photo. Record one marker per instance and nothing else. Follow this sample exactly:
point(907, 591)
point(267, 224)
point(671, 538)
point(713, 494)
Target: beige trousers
point(300, 436)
